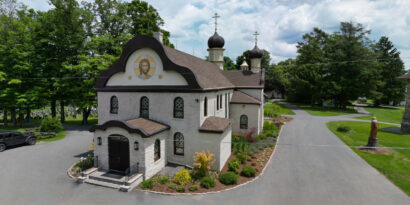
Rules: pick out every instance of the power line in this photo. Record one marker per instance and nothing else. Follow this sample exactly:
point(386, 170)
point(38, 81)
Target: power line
point(323, 63)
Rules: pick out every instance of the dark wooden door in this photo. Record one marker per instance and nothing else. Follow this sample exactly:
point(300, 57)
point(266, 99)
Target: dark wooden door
point(118, 154)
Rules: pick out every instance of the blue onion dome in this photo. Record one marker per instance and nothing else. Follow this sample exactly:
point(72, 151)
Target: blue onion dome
point(256, 52)
point(216, 41)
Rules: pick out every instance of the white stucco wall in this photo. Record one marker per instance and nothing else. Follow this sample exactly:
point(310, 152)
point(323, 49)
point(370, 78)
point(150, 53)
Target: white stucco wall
point(212, 104)
point(218, 144)
point(152, 166)
point(161, 110)
point(142, 156)
point(159, 77)
point(253, 111)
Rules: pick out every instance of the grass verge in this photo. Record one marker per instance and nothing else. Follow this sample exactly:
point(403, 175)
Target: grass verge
point(394, 166)
point(384, 114)
point(271, 109)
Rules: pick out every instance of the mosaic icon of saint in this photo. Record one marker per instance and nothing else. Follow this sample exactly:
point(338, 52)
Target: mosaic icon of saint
point(145, 67)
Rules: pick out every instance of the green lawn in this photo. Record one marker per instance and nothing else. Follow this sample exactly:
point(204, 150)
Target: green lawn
point(384, 114)
point(59, 136)
point(274, 108)
point(396, 166)
point(325, 111)
point(78, 121)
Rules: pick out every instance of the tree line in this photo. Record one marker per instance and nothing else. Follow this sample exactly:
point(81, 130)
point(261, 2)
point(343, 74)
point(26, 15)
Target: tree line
point(340, 67)
point(52, 58)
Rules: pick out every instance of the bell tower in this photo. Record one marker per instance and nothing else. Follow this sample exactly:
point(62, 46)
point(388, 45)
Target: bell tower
point(215, 46)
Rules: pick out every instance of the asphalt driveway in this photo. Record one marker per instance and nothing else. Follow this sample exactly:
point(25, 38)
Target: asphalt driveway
point(303, 171)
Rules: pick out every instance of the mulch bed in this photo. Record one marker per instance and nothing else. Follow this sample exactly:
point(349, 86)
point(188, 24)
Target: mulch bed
point(263, 155)
point(379, 150)
point(286, 119)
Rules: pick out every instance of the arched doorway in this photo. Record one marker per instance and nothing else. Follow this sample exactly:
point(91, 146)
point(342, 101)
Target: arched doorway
point(118, 154)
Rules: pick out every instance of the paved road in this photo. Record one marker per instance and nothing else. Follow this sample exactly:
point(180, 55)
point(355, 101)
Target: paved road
point(296, 175)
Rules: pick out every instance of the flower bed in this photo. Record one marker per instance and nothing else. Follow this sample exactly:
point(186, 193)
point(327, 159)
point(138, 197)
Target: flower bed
point(249, 157)
point(84, 164)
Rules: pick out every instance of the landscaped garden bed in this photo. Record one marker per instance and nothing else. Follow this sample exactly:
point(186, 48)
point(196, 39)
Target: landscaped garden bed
point(82, 165)
point(250, 154)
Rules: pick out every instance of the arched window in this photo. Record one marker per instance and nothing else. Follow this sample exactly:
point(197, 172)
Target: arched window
point(178, 144)
point(144, 107)
point(114, 105)
point(157, 150)
point(205, 106)
point(244, 122)
point(178, 108)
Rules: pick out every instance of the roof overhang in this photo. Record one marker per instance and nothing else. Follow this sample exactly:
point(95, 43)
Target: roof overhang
point(132, 127)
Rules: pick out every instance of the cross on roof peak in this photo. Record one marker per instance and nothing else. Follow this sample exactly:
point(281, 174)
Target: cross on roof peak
point(216, 16)
point(256, 34)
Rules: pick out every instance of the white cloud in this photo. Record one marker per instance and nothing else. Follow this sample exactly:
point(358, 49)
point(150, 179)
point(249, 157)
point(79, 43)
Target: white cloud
point(282, 23)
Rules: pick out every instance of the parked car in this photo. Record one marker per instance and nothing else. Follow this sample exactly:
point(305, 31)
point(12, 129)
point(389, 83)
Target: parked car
point(11, 138)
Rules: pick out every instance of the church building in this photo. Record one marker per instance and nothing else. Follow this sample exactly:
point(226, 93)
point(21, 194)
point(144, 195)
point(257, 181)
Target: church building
point(158, 105)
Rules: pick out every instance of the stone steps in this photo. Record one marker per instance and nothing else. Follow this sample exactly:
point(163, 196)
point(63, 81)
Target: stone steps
point(102, 183)
point(114, 181)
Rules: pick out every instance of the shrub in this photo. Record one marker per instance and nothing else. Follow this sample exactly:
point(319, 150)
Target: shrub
point(180, 189)
point(344, 129)
point(172, 186)
point(51, 125)
point(163, 179)
point(182, 177)
point(228, 178)
point(85, 163)
point(203, 162)
point(253, 164)
point(193, 188)
point(242, 157)
point(233, 165)
point(147, 184)
point(248, 171)
point(207, 182)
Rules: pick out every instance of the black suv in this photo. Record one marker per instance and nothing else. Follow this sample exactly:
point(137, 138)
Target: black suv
point(11, 138)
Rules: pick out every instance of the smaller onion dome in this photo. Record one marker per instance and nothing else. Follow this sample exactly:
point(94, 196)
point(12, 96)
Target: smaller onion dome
point(216, 41)
point(244, 65)
point(256, 52)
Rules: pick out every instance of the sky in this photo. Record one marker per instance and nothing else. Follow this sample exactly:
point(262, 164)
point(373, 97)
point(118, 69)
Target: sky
point(281, 23)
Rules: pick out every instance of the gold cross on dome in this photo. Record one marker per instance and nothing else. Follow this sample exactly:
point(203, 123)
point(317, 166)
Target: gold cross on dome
point(256, 34)
point(216, 20)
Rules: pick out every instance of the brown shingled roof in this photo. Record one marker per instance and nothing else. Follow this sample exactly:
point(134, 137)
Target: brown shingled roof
point(404, 77)
point(142, 126)
point(239, 97)
point(244, 79)
point(207, 73)
point(215, 124)
point(148, 126)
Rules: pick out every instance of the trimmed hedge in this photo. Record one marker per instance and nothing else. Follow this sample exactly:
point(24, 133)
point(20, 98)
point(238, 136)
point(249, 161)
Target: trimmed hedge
point(228, 178)
point(180, 189)
point(148, 184)
point(193, 188)
point(207, 182)
point(248, 171)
